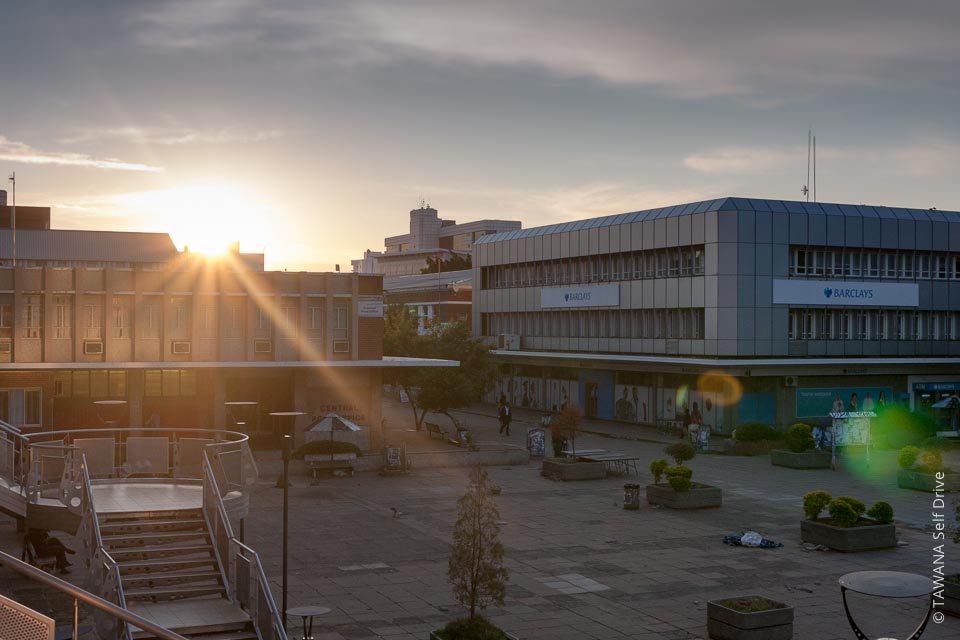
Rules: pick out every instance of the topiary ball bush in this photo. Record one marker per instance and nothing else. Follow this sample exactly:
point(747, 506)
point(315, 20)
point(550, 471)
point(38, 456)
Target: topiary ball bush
point(882, 512)
point(657, 469)
point(800, 438)
point(679, 478)
point(857, 506)
point(753, 431)
point(930, 461)
point(937, 443)
point(842, 513)
point(680, 451)
point(908, 457)
point(814, 502)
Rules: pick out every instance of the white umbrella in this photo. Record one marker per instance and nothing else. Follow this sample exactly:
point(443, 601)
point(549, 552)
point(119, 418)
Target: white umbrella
point(332, 423)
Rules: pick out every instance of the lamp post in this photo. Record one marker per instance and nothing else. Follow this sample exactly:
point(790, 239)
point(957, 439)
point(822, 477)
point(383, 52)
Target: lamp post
point(13, 217)
point(287, 440)
point(237, 409)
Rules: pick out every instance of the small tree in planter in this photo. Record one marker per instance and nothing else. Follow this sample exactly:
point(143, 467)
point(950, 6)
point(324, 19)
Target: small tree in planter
point(681, 492)
point(566, 426)
point(657, 469)
point(800, 453)
point(751, 439)
point(846, 529)
point(475, 568)
point(749, 617)
point(923, 470)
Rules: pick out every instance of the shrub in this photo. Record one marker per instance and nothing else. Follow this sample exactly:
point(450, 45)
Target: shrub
point(814, 502)
point(855, 504)
point(937, 443)
point(753, 431)
point(679, 478)
point(657, 468)
point(476, 628)
point(680, 451)
point(901, 427)
point(930, 461)
point(882, 512)
point(800, 438)
point(325, 447)
point(908, 457)
point(842, 513)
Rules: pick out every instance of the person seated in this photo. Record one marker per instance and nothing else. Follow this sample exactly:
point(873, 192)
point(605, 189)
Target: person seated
point(44, 545)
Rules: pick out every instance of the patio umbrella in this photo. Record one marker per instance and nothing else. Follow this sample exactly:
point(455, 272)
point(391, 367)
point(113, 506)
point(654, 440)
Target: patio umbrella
point(332, 422)
point(951, 402)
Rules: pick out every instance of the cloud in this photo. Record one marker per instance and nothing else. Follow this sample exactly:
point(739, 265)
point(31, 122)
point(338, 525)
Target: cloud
point(743, 160)
point(761, 50)
point(13, 151)
point(169, 136)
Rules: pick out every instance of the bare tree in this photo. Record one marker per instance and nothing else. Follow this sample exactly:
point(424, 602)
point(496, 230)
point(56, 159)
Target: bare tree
point(476, 570)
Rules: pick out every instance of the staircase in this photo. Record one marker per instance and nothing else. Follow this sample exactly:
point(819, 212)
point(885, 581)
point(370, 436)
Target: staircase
point(169, 571)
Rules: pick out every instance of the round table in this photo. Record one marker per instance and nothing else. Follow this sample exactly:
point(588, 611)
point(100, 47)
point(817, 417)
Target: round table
point(887, 584)
point(307, 613)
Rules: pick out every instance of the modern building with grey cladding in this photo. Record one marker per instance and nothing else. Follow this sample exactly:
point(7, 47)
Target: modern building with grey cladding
point(794, 301)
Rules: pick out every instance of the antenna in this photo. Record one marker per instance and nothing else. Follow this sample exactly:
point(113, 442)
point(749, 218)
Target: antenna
point(814, 167)
point(806, 186)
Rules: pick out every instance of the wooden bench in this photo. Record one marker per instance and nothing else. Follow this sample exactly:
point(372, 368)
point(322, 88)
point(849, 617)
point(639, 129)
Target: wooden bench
point(433, 428)
point(343, 462)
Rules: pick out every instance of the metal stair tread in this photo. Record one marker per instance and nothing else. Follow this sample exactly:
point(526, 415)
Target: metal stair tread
point(161, 551)
point(110, 525)
point(171, 575)
point(205, 631)
point(164, 565)
point(174, 592)
point(159, 535)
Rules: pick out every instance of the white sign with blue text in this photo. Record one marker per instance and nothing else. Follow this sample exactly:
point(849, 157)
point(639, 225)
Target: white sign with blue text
point(588, 295)
point(846, 294)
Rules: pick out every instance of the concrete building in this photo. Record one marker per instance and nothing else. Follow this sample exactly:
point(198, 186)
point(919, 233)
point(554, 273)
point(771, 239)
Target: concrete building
point(99, 315)
point(751, 309)
point(429, 237)
point(445, 297)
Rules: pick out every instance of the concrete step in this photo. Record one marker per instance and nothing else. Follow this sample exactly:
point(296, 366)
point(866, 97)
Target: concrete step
point(202, 577)
point(172, 593)
point(141, 567)
point(118, 527)
point(127, 540)
point(138, 554)
point(108, 517)
point(213, 631)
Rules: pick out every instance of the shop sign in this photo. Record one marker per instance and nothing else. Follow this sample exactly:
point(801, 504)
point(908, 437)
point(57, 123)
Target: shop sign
point(834, 293)
point(590, 295)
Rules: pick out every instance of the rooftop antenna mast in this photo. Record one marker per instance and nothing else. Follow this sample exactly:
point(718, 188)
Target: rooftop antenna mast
point(13, 218)
point(814, 167)
point(806, 185)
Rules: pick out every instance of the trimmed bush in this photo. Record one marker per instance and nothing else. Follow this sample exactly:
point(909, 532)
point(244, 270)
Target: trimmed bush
point(657, 469)
point(754, 431)
point(842, 513)
point(800, 438)
point(477, 628)
point(908, 457)
point(930, 461)
point(937, 443)
point(679, 478)
point(680, 451)
point(325, 447)
point(814, 502)
point(855, 504)
point(882, 512)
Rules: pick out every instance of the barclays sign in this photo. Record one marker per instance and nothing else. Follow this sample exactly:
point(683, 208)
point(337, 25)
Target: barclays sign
point(590, 295)
point(846, 294)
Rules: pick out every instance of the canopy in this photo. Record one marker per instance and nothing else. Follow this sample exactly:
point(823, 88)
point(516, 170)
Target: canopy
point(330, 423)
point(951, 402)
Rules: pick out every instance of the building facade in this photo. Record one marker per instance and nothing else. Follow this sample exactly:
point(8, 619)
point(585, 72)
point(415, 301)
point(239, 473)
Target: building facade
point(750, 309)
point(434, 298)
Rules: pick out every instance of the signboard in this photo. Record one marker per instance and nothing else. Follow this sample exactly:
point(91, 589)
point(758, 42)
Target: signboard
point(370, 308)
point(821, 402)
point(847, 431)
point(393, 457)
point(588, 295)
point(536, 443)
point(834, 293)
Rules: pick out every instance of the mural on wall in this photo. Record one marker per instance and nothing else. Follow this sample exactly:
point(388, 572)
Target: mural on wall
point(813, 403)
point(632, 404)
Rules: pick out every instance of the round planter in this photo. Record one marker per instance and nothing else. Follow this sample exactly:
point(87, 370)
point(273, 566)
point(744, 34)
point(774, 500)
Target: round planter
point(568, 471)
point(919, 481)
point(728, 624)
point(803, 460)
point(700, 496)
point(849, 539)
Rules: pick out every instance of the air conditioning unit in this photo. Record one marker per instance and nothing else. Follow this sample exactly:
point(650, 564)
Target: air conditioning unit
point(5, 346)
point(180, 347)
point(341, 346)
point(92, 348)
point(262, 346)
point(789, 381)
point(508, 342)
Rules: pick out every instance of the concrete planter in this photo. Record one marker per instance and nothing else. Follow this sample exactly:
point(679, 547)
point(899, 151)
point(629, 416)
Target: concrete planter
point(434, 635)
point(700, 496)
point(728, 624)
point(849, 539)
point(803, 460)
point(951, 597)
point(733, 447)
point(909, 479)
point(579, 470)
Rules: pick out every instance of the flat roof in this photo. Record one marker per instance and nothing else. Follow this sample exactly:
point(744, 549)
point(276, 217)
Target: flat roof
point(386, 362)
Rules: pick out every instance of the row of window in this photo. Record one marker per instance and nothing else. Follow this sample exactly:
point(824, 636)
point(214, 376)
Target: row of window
point(873, 324)
point(635, 323)
point(92, 325)
point(90, 384)
point(820, 262)
point(609, 267)
point(20, 407)
point(83, 264)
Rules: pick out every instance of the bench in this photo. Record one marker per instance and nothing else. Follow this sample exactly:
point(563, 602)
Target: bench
point(45, 562)
point(341, 462)
point(433, 428)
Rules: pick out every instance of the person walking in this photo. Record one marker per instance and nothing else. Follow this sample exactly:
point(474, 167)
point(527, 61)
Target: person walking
point(507, 417)
point(502, 413)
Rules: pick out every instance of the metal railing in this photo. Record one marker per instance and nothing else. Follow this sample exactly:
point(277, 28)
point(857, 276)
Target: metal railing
point(240, 565)
point(79, 595)
point(13, 447)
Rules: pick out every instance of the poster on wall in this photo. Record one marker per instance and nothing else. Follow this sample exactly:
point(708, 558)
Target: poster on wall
point(631, 403)
point(821, 402)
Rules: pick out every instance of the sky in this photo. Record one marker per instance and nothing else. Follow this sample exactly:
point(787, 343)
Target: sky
point(310, 129)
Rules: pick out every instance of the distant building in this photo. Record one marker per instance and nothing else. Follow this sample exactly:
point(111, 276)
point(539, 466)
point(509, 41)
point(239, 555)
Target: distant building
point(444, 299)
point(27, 217)
point(429, 237)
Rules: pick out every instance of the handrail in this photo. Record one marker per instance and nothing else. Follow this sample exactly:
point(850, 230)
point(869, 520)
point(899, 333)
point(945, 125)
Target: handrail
point(241, 437)
point(87, 597)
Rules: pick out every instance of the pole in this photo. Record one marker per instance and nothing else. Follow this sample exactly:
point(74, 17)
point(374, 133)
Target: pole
point(286, 519)
point(13, 218)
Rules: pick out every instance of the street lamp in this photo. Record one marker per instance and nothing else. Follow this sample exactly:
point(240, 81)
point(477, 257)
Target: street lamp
point(287, 441)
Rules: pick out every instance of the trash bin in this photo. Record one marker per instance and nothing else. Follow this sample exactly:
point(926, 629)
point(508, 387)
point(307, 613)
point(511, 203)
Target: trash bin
point(631, 497)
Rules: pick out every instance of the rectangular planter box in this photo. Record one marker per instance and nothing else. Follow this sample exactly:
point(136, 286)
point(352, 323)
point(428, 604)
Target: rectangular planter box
point(507, 636)
point(951, 598)
point(698, 497)
point(728, 624)
point(573, 470)
point(907, 479)
point(850, 539)
point(804, 460)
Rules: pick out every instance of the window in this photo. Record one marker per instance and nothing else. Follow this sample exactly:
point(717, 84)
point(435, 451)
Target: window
point(872, 262)
point(93, 321)
point(316, 317)
point(32, 317)
point(121, 318)
point(21, 407)
point(341, 315)
point(263, 319)
point(63, 319)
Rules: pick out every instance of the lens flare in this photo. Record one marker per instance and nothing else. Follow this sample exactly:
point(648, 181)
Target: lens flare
point(682, 394)
point(728, 389)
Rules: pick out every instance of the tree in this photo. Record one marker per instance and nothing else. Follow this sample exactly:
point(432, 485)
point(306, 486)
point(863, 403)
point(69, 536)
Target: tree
point(437, 389)
point(475, 568)
point(567, 424)
point(455, 262)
